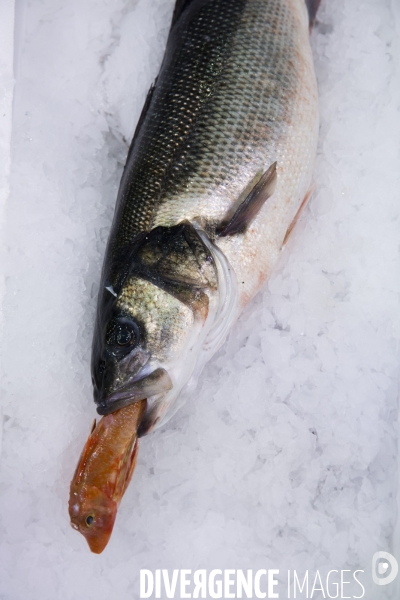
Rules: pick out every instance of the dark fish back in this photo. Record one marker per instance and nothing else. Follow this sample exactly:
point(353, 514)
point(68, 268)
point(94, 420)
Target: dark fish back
point(218, 114)
point(159, 162)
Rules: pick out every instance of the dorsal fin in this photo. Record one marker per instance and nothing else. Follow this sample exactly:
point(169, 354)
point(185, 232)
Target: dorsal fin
point(312, 7)
point(142, 117)
point(251, 205)
point(180, 7)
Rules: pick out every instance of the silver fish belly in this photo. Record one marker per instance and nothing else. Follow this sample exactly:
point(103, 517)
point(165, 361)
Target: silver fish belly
point(220, 163)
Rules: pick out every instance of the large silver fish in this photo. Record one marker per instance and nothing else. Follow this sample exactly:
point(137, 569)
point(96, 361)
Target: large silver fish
point(219, 166)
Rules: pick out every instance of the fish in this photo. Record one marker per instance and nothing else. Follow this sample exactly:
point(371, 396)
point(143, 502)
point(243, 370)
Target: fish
point(217, 173)
point(103, 473)
point(220, 162)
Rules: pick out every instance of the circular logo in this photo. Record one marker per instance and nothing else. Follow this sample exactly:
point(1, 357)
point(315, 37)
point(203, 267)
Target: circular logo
point(384, 568)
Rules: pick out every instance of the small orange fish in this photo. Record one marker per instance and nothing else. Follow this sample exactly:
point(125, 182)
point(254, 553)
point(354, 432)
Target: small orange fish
point(103, 473)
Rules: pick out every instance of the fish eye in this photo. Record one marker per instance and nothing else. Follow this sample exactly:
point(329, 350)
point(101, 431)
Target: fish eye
point(89, 520)
point(124, 336)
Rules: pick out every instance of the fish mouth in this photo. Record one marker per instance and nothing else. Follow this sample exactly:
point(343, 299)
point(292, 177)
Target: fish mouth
point(96, 542)
point(99, 542)
point(157, 382)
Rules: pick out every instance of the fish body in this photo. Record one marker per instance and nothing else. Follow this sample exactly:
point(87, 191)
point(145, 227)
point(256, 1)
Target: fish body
point(103, 473)
point(193, 238)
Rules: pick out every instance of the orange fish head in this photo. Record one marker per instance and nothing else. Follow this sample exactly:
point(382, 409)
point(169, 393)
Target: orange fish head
point(92, 513)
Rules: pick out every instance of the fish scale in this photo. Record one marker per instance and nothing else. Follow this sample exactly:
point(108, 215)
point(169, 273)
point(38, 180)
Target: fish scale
point(163, 152)
point(220, 102)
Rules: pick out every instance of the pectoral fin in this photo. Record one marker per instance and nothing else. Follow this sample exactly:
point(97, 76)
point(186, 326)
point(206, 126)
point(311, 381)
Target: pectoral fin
point(251, 205)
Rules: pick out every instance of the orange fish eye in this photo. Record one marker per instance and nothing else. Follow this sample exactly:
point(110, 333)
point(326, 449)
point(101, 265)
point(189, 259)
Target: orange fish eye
point(89, 520)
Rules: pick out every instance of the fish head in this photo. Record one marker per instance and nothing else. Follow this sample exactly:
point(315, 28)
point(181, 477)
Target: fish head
point(92, 512)
point(152, 310)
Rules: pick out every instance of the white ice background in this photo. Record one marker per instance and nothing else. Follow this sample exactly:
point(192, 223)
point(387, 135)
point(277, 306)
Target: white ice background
point(6, 95)
point(286, 457)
